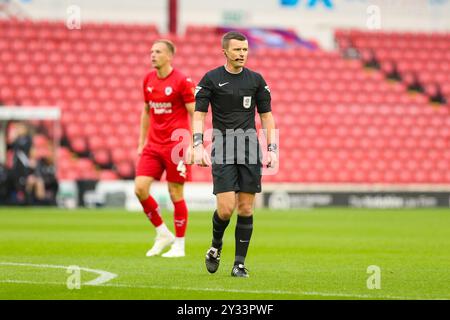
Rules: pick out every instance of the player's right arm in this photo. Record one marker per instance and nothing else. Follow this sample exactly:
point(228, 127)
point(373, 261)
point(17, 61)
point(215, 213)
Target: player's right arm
point(201, 156)
point(202, 98)
point(145, 124)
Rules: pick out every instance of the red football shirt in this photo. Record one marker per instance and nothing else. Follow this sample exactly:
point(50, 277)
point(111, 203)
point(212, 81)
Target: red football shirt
point(167, 98)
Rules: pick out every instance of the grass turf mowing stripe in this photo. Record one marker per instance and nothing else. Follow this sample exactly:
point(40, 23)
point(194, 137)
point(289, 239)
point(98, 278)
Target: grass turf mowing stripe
point(300, 293)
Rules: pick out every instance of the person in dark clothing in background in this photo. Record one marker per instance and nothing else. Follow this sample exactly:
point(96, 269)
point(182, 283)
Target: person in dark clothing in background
point(5, 185)
point(21, 146)
point(42, 185)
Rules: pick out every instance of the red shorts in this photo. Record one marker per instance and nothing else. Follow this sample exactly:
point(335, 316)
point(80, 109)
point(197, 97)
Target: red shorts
point(155, 159)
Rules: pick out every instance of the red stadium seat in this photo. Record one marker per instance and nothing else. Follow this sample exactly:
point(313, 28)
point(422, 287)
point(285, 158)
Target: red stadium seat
point(125, 169)
point(108, 175)
point(102, 157)
point(120, 155)
point(79, 145)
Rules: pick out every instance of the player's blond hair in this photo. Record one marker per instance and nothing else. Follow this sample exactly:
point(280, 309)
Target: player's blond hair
point(169, 44)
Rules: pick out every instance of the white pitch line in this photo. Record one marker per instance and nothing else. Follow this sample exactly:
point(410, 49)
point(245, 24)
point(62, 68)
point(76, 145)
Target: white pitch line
point(104, 276)
point(277, 292)
point(300, 293)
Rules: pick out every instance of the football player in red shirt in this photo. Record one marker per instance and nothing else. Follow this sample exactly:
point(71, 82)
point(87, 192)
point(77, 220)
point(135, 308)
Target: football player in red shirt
point(169, 101)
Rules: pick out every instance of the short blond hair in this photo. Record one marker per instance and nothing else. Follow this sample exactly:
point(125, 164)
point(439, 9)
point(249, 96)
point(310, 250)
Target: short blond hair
point(169, 44)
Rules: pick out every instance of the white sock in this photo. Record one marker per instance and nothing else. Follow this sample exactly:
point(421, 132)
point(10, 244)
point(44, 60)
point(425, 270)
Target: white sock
point(179, 242)
point(162, 229)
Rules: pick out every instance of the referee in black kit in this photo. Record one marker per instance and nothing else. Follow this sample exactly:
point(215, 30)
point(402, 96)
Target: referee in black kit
point(234, 92)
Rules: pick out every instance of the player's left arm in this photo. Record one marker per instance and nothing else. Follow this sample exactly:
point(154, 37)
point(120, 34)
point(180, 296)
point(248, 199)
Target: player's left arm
point(263, 104)
point(188, 90)
point(268, 124)
point(190, 107)
point(189, 100)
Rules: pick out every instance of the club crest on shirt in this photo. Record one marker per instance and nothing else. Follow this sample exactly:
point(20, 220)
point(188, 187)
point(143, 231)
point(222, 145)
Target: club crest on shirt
point(168, 91)
point(247, 102)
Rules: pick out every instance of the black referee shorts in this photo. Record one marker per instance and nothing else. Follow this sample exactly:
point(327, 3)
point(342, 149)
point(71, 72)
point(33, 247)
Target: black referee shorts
point(236, 177)
point(239, 170)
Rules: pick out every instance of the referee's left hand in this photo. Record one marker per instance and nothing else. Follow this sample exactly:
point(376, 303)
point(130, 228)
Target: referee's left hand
point(272, 159)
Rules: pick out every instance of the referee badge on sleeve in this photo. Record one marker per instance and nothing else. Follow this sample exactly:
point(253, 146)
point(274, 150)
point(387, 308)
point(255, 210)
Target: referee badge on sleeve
point(247, 102)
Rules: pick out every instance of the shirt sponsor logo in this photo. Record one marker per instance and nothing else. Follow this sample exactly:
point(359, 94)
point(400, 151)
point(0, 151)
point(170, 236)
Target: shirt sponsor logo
point(247, 102)
point(161, 107)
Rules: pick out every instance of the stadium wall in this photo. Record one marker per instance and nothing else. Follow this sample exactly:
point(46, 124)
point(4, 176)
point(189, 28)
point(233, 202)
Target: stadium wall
point(120, 194)
point(199, 197)
point(313, 18)
point(379, 196)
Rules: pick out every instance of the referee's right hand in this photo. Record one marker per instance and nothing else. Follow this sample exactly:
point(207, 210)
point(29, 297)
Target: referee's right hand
point(201, 156)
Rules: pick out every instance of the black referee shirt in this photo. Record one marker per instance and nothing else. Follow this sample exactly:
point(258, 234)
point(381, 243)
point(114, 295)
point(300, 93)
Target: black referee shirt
point(233, 97)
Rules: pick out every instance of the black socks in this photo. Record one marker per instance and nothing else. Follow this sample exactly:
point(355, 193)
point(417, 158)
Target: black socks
point(243, 233)
point(219, 227)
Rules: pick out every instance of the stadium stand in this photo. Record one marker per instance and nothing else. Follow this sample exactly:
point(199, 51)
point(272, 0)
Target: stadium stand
point(339, 121)
point(420, 59)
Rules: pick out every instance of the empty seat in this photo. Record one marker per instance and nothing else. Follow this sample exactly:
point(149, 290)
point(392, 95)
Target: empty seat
point(102, 157)
point(125, 169)
point(80, 146)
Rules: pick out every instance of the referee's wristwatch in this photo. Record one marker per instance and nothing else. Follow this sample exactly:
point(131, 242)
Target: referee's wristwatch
point(198, 139)
point(272, 147)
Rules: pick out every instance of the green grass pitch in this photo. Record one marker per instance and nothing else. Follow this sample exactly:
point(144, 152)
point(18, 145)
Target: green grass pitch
point(297, 254)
